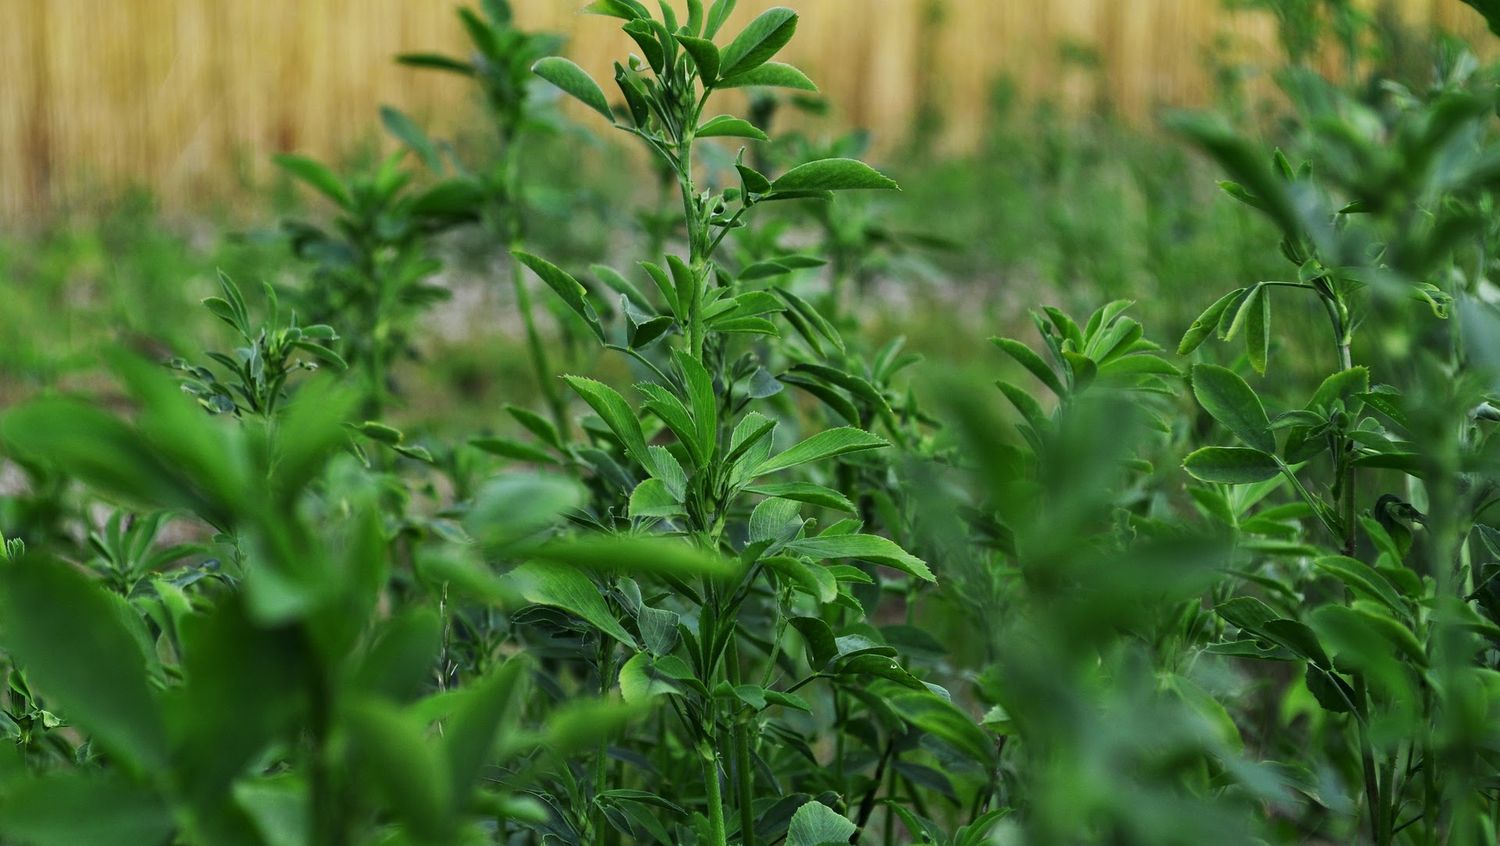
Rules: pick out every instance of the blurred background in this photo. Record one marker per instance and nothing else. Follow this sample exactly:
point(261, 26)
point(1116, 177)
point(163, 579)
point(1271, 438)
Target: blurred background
point(136, 140)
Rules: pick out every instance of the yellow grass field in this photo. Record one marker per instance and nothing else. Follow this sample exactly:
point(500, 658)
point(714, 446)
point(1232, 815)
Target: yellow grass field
point(184, 96)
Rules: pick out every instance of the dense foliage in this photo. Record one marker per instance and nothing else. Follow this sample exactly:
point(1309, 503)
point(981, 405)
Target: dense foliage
point(758, 583)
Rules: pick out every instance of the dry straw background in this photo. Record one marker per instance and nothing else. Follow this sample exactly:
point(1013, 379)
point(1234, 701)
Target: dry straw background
point(189, 97)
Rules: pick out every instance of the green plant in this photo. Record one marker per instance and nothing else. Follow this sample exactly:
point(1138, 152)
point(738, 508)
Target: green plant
point(372, 269)
point(501, 68)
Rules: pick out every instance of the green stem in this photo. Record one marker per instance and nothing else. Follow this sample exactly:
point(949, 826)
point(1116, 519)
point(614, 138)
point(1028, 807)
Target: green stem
point(717, 837)
point(601, 758)
point(538, 351)
point(744, 765)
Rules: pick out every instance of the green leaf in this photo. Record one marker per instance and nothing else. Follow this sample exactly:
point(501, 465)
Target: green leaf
point(404, 767)
point(316, 175)
point(834, 175)
point(628, 11)
point(728, 126)
point(400, 660)
point(561, 586)
point(770, 75)
point(82, 808)
point(941, 719)
point(1232, 402)
point(824, 445)
point(652, 498)
point(1258, 328)
point(705, 57)
point(816, 824)
point(1347, 386)
point(507, 448)
point(636, 555)
point(470, 733)
point(65, 632)
point(808, 493)
point(408, 133)
point(435, 61)
point(515, 506)
point(700, 390)
point(1206, 323)
point(575, 81)
point(617, 414)
point(1032, 362)
point(866, 548)
point(759, 41)
point(813, 579)
point(569, 289)
point(1231, 465)
point(640, 683)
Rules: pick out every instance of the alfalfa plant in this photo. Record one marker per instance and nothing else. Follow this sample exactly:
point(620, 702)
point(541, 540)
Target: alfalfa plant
point(1390, 232)
point(697, 461)
point(500, 66)
point(372, 267)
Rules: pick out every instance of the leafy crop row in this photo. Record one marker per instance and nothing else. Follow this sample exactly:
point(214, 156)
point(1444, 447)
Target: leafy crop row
point(763, 594)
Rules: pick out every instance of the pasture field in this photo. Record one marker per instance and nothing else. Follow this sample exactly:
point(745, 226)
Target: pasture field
point(647, 462)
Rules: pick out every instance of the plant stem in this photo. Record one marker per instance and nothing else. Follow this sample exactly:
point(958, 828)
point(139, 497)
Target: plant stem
point(744, 770)
point(537, 350)
point(601, 759)
point(717, 836)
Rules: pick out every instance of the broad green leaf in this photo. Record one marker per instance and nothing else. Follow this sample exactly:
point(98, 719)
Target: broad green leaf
point(1207, 322)
point(569, 289)
point(404, 767)
point(317, 175)
point(770, 75)
point(485, 710)
point(759, 41)
point(728, 126)
point(940, 718)
point(1232, 402)
point(639, 682)
point(824, 445)
point(575, 81)
point(866, 548)
point(816, 824)
point(65, 633)
point(705, 57)
point(1258, 328)
point(516, 506)
point(617, 414)
point(1231, 465)
point(808, 493)
point(813, 579)
point(561, 586)
point(81, 808)
point(652, 498)
point(1032, 362)
point(834, 175)
point(705, 406)
point(1347, 386)
point(400, 660)
point(582, 723)
point(636, 555)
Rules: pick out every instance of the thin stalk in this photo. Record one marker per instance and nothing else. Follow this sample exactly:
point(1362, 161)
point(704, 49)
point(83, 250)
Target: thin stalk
point(717, 837)
point(744, 765)
point(535, 348)
point(601, 758)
